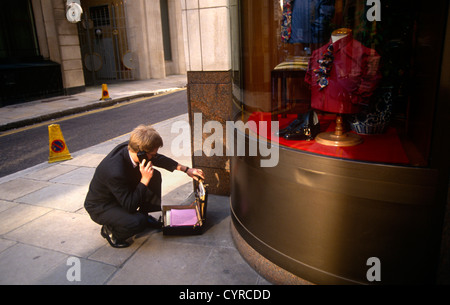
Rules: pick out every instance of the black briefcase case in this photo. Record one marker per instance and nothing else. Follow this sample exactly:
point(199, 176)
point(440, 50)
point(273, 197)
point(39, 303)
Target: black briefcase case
point(186, 219)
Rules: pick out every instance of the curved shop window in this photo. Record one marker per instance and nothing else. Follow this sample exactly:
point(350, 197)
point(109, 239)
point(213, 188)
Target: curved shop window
point(359, 91)
point(343, 78)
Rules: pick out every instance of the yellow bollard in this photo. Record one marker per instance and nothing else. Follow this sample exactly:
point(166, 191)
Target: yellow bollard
point(58, 148)
point(105, 93)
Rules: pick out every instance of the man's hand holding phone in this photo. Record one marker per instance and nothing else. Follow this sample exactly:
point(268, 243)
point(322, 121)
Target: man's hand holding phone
point(146, 171)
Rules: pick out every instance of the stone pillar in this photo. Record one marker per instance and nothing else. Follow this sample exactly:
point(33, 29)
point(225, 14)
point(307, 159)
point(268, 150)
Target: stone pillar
point(209, 94)
point(145, 38)
point(208, 61)
point(178, 63)
point(58, 41)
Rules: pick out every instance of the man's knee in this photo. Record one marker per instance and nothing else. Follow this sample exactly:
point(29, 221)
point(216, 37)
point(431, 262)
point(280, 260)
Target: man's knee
point(134, 224)
point(139, 222)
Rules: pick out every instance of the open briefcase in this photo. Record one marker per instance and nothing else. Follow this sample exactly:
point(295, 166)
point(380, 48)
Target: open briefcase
point(186, 219)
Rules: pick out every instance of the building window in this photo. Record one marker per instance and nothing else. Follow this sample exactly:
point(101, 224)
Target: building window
point(100, 15)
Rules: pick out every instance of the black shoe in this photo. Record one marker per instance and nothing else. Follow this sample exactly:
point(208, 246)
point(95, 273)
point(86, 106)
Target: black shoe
point(114, 242)
point(308, 130)
point(294, 124)
point(153, 223)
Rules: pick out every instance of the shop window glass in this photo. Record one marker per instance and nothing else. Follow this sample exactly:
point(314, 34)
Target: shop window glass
point(344, 78)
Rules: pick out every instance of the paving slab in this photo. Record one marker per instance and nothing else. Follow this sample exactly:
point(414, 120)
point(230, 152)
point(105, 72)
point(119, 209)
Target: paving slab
point(225, 266)
point(19, 215)
point(50, 172)
point(161, 262)
point(5, 244)
point(4, 205)
point(118, 257)
point(90, 273)
point(80, 176)
point(70, 233)
point(26, 265)
point(88, 159)
point(17, 188)
point(59, 196)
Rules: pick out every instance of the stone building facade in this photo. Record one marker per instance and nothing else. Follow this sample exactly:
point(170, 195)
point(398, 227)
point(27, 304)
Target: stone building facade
point(115, 40)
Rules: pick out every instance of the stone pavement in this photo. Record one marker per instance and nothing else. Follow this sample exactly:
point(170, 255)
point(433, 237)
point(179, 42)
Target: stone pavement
point(45, 233)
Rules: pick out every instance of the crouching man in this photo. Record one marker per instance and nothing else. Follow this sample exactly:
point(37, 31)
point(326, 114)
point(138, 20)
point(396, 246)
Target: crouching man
point(126, 187)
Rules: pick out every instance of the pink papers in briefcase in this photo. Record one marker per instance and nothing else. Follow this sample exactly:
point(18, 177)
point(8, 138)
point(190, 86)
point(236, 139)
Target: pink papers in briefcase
point(183, 217)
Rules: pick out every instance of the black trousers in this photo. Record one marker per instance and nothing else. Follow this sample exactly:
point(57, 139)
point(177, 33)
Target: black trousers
point(124, 224)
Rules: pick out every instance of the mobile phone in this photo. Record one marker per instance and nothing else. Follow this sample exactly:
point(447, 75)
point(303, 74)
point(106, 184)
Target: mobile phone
point(142, 155)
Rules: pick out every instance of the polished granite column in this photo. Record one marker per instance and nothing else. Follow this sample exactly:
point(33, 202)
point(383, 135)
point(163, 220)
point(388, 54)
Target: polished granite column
point(209, 94)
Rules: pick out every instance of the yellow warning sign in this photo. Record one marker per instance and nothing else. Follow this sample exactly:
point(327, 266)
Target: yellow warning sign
point(58, 148)
point(105, 93)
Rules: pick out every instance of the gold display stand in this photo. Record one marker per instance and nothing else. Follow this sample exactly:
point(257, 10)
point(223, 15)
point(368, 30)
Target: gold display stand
point(338, 138)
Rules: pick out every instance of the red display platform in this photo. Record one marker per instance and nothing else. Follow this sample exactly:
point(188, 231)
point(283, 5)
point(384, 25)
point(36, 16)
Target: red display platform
point(383, 148)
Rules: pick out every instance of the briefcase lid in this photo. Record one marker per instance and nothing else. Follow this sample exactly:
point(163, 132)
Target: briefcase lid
point(201, 195)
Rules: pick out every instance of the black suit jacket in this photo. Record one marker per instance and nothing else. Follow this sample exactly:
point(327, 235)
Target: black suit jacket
point(117, 183)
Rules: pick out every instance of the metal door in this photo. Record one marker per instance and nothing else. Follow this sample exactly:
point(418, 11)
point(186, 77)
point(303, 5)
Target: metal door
point(104, 43)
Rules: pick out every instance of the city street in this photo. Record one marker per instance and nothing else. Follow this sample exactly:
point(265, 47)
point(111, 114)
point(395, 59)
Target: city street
point(44, 227)
point(26, 147)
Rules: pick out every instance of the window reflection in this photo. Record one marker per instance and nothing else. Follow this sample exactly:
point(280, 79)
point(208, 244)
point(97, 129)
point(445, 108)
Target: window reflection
point(338, 58)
